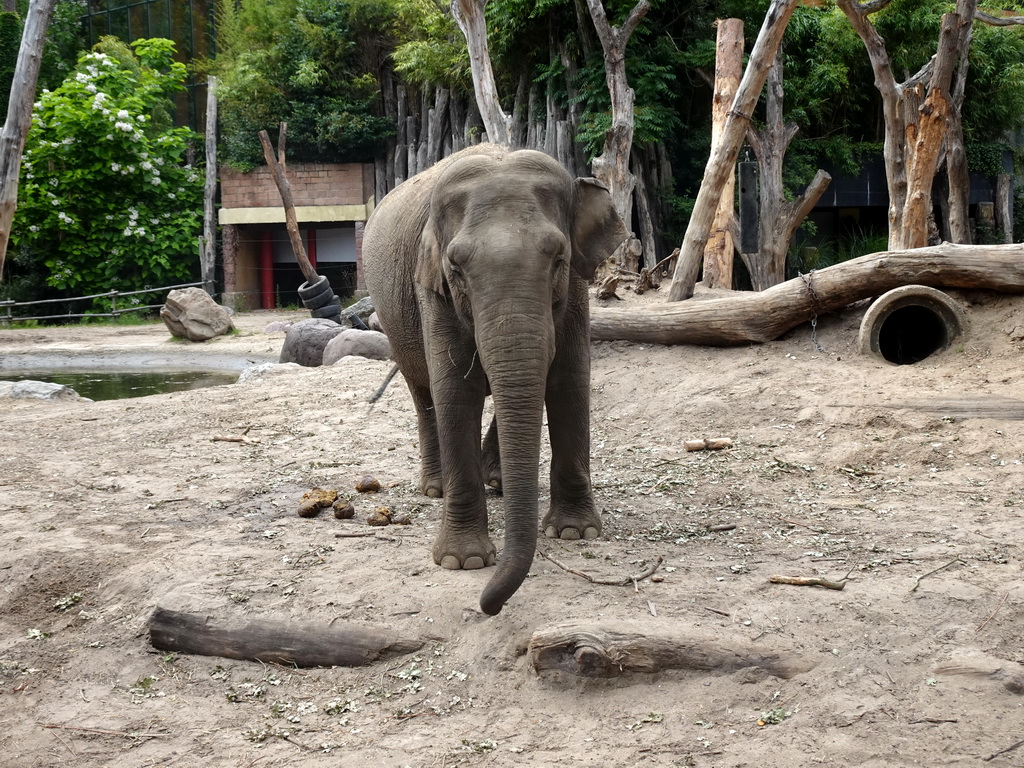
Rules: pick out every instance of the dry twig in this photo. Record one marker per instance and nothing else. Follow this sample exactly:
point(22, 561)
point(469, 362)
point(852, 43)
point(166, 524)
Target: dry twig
point(812, 581)
point(991, 615)
point(129, 734)
point(1010, 748)
point(625, 582)
point(940, 568)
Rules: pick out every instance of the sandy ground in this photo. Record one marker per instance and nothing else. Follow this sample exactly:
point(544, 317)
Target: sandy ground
point(906, 481)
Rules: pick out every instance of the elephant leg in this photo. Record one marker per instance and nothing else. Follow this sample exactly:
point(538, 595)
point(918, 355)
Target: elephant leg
point(458, 388)
point(572, 514)
point(431, 483)
point(492, 457)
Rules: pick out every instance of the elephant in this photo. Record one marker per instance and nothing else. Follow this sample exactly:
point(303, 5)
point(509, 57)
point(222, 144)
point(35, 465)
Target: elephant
point(478, 271)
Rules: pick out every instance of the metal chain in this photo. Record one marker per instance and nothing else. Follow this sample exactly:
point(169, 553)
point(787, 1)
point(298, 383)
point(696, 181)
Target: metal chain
point(808, 281)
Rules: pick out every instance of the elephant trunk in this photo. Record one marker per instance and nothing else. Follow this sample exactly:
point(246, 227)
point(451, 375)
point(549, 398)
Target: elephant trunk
point(517, 363)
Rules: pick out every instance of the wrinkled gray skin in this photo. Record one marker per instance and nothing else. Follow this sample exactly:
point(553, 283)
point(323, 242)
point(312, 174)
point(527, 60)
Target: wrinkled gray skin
point(478, 269)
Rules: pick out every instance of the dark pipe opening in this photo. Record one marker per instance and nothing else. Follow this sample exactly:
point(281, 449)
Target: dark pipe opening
point(910, 334)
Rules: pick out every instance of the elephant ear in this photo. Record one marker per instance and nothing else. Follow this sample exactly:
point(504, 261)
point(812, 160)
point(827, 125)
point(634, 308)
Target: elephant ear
point(597, 229)
point(428, 263)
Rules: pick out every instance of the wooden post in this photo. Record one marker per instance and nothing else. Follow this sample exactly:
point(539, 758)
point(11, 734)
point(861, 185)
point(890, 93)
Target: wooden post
point(19, 114)
point(276, 166)
point(208, 260)
point(722, 161)
point(1004, 206)
point(718, 253)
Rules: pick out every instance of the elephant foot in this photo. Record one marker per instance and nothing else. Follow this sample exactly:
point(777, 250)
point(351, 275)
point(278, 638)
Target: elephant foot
point(430, 485)
point(559, 524)
point(464, 552)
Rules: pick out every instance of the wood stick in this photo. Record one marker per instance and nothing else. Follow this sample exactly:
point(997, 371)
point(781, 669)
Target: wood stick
point(624, 582)
point(274, 642)
point(136, 734)
point(1010, 748)
point(991, 615)
point(940, 568)
point(612, 651)
point(811, 581)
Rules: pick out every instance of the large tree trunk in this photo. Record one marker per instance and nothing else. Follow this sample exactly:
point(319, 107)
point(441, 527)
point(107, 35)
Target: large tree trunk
point(19, 114)
point(469, 15)
point(758, 317)
point(611, 167)
point(779, 218)
point(209, 254)
point(718, 253)
point(925, 138)
point(723, 160)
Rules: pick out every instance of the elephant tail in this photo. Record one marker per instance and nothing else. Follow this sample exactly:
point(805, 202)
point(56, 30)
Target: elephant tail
point(380, 390)
point(512, 570)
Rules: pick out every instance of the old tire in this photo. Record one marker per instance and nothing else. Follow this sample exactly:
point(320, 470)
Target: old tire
point(330, 310)
point(910, 323)
point(316, 295)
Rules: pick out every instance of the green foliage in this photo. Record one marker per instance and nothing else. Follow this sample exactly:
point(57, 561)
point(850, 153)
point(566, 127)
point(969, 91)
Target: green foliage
point(66, 38)
point(299, 62)
point(106, 199)
point(10, 41)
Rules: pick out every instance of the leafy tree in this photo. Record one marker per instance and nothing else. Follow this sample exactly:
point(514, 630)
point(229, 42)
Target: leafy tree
point(297, 61)
point(107, 200)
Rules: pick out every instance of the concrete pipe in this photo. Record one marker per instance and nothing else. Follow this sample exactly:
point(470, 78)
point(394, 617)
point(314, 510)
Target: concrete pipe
point(910, 323)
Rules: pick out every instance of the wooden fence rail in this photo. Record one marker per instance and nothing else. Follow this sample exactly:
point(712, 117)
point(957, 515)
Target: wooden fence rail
point(8, 306)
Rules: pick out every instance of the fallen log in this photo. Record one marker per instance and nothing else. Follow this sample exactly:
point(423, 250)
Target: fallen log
point(611, 652)
point(747, 317)
point(274, 642)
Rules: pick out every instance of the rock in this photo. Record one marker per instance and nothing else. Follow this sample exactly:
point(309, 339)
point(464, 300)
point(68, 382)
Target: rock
point(265, 370)
point(278, 326)
point(363, 308)
point(351, 341)
point(190, 313)
point(373, 322)
point(39, 390)
point(305, 341)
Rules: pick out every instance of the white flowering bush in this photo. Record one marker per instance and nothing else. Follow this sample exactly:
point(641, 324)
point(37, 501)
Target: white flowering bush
point(106, 198)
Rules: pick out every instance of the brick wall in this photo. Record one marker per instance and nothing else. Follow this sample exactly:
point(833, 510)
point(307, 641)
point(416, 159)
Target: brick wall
point(312, 184)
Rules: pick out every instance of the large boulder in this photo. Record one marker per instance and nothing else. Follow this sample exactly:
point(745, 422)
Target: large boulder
point(38, 390)
point(190, 313)
point(305, 341)
point(352, 341)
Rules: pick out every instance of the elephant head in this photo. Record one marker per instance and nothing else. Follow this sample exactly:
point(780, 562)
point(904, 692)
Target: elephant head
point(508, 246)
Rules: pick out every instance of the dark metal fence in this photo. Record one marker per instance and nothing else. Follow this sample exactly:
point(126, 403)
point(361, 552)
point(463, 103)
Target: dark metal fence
point(8, 306)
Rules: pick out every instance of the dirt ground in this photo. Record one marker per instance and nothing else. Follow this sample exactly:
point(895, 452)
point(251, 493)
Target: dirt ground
point(904, 481)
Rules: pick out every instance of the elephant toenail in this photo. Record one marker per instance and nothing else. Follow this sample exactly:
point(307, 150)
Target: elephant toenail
point(434, 493)
point(551, 532)
point(451, 562)
point(570, 533)
point(591, 533)
point(472, 563)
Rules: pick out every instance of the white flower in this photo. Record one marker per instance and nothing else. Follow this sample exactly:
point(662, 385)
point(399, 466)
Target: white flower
point(146, 165)
point(131, 169)
point(123, 115)
point(68, 141)
point(110, 137)
point(127, 232)
point(53, 182)
point(33, 228)
point(82, 77)
point(155, 181)
point(65, 218)
point(115, 167)
point(90, 88)
point(126, 127)
point(172, 196)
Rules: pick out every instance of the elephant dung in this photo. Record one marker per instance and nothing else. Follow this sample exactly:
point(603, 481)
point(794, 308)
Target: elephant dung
point(344, 510)
point(368, 484)
point(190, 313)
point(306, 340)
point(316, 499)
point(381, 516)
point(373, 345)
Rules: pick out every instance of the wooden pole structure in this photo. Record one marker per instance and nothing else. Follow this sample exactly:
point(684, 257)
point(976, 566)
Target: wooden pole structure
point(19, 114)
point(276, 165)
point(723, 159)
point(209, 254)
point(718, 253)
